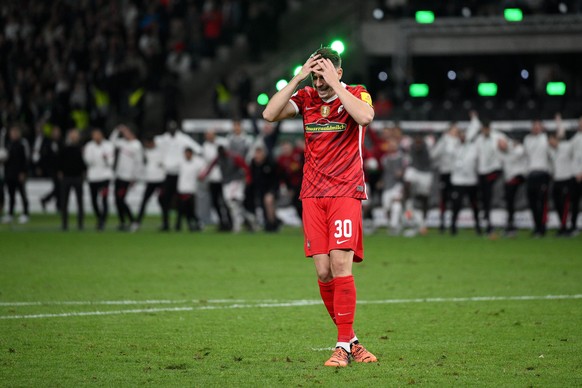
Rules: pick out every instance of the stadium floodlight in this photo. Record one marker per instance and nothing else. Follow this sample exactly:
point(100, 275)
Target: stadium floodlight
point(513, 14)
point(424, 17)
point(556, 88)
point(487, 89)
point(281, 84)
point(262, 99)
point(418, 90)
point(378, 13)
point(297, 70)
point(338, 46)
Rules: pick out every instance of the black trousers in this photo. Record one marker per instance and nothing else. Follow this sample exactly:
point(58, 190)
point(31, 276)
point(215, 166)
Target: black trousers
point(150, 189)
point(219, 205)
point(99, 193)
point(538, 183)
point(186, 209)
point(576, 194)
point(296, 201)
point(562, 198)
point(123, 210)
point(445, 188)
point(457, 195)
point(55, 193)
point(511, 188)
point(486, 183)
point(167, 194)
point(1, 195)
point(15, 185)
point(68, 183)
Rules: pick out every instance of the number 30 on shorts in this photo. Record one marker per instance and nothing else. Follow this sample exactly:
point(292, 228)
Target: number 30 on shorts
point(343, 228)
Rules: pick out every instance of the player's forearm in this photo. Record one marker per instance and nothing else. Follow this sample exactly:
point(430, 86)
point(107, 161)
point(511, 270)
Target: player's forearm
point(274, 111)
point(360, 110)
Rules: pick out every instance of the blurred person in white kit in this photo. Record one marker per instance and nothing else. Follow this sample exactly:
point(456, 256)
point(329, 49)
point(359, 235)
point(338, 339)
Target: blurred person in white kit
point(190, 169)
point(564, 181)
point(392, 165)
point(128, 162)
point(537, 150)
point(418, 177)
point(238, 142)
point(514, 163)
point(464, 180)
point(99, 154)
point(153, 173)
point(214, 178)
point(172, 143)
point(442, 155)
point(489, 167)
point(577, 170)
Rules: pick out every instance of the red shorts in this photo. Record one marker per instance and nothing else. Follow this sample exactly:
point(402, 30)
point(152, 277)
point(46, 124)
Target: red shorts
point(333, 223)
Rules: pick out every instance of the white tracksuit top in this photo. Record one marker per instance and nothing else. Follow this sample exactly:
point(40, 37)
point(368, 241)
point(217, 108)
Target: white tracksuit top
point(173, 149)
point(99, 160)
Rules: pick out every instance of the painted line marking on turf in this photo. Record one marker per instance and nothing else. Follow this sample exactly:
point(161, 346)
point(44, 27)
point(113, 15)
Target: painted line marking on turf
point(126, 302)
point(295, 303)
point(472, 299)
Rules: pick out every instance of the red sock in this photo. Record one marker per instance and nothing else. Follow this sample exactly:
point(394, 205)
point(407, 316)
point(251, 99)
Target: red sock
point(344, 305)
point(327, 290)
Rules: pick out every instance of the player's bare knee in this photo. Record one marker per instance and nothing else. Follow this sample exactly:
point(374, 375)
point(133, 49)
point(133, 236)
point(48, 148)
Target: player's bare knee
point(341, 262)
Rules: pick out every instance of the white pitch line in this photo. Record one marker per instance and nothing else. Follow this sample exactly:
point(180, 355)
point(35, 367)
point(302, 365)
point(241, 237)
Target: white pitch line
point(295, 303)
point(126, 302)
point(471, 299)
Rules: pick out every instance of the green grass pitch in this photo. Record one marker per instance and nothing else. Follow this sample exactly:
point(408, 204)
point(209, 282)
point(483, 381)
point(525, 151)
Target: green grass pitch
point(214, 309)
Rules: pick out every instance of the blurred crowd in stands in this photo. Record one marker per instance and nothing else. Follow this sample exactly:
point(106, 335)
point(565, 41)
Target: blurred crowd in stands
point(76, 63)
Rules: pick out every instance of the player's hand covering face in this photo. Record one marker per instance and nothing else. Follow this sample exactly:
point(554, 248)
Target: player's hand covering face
point(325, 77)
point(308, 67)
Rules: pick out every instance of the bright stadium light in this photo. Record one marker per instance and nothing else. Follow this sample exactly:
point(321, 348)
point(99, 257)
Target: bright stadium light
point(281, 84)
point(338, 46)
point(563, 7)
point(487, 89)
point(378, 13)
point(262, 99)
point(513, 14)
point(424, 17)
point(418, 90)
point(297, 70)
point(556, 88)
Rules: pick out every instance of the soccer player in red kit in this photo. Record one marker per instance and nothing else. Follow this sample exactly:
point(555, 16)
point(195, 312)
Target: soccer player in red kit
point(335, 117)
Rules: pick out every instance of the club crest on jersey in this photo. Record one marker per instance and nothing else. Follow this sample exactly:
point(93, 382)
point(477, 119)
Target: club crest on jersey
point(325, 110)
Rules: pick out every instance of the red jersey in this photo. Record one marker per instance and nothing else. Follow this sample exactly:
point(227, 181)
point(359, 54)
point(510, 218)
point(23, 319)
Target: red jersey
point(334, 144)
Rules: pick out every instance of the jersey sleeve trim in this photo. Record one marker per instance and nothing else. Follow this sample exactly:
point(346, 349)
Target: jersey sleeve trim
point(295, 106)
